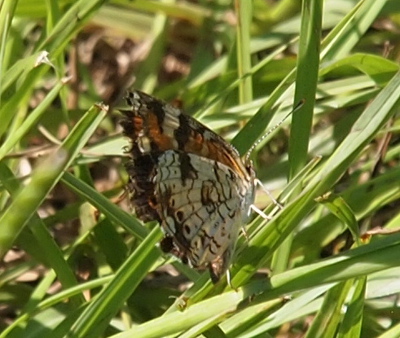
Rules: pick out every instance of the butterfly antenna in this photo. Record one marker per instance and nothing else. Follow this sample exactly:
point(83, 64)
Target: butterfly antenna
point(262, 138)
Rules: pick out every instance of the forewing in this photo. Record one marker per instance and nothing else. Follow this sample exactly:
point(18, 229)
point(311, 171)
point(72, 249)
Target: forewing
point(156, 126)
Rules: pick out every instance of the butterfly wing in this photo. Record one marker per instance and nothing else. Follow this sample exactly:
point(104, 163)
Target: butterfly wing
point(200, 202)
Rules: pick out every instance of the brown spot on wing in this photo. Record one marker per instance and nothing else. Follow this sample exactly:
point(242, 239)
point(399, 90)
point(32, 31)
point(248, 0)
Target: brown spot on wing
point(155, 133)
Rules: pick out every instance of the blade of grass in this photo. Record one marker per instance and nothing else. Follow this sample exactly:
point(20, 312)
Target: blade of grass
point(110, 210)
point(306, 83)
point(188, 11)
point(243, 11)
point(179, 321)
point(375, 256)
point(96, 317)
point(146, 77)
point(60, 297)
point(328, 318)
point(30, 121)
point(306, 86)
point(352, 322)
point(338, 206)
point(291, 309)
point(394, 332)
point(6, 14)
point(44, 178)
point(44, 243)
point(365, 16)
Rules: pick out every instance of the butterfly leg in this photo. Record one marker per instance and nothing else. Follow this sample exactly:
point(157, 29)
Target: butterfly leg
point(257, 181)
point(259, 212)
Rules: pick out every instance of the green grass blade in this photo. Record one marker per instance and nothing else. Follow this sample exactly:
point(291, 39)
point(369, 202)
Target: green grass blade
point(97, 315)
point(366, 14)
point(178, 321)
point(352, 323)
point(328, 318)
point(109, 209)
point(30, 122)
point(306, 84)
point(244, 13)
point(339, 208)
point(44, 178)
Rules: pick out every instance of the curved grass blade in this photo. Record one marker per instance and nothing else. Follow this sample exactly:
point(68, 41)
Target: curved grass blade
point(45, 177)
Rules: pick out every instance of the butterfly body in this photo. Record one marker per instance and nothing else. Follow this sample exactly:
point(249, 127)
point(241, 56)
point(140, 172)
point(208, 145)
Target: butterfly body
point(189, 179)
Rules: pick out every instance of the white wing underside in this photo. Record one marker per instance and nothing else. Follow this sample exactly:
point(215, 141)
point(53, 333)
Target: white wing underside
point(201, 203)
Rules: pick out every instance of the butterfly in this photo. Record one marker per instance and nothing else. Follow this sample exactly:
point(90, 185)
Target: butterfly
point(189, 179)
